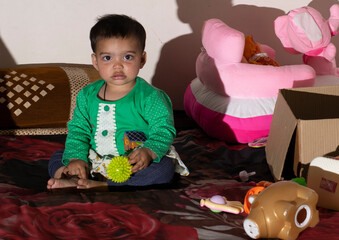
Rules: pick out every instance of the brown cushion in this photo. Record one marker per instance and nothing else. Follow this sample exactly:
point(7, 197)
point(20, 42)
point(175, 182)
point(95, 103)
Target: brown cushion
point(41, 96)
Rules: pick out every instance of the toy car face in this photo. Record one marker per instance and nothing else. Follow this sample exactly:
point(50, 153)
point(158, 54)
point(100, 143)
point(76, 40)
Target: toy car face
point(282, 210)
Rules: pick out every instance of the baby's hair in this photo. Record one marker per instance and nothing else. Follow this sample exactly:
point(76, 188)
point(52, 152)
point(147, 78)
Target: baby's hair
point(114, 25)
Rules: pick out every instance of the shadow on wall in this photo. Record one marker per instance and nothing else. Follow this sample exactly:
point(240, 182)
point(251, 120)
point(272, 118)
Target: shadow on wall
point(6, 59)
point(176, 66)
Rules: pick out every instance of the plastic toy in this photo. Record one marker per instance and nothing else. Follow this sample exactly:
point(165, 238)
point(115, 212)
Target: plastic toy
point(253, 191)
point(305, 31)
point(218, 203)
point(244, 175)
point(300, 180)
point(264, 183)
point(282, 210)
point(119, 170)
point(260, 187)
point(233, 100)
point(258, 143)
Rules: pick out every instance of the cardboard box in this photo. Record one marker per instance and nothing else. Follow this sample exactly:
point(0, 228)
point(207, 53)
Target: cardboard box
point(305, 125)
point(323, 177)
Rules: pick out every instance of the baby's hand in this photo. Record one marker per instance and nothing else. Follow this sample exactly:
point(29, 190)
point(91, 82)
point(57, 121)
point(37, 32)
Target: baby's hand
point(77, 167)
point(141, 158)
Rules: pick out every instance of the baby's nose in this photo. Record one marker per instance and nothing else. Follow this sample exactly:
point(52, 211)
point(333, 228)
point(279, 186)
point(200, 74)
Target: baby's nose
point(117, 64)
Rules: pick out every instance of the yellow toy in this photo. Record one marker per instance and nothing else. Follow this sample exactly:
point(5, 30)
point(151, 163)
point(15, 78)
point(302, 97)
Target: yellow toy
point(119, 169)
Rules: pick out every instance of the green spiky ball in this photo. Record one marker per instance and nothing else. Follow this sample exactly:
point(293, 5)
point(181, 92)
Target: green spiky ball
point(119, 170)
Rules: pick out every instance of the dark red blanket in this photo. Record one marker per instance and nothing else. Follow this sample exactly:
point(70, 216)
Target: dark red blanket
point(171, 211)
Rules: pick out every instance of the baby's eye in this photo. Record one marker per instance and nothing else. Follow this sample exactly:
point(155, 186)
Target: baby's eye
point(107, 58)
point(128, 57)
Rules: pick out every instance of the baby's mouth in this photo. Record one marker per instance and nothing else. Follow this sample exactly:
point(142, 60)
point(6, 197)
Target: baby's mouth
point(119, 76)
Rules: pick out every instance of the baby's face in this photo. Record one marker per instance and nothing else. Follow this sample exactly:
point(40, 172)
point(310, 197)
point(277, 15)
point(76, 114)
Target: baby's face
point(118, 60)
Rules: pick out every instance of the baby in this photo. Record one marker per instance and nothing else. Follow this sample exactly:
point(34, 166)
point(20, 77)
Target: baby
point(121, 114)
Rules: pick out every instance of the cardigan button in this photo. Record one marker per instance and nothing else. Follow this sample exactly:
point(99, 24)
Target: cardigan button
point(106, 108)
point(104, 133)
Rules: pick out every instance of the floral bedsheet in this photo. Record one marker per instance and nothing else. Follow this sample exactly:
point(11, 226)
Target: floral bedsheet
point(172, 211)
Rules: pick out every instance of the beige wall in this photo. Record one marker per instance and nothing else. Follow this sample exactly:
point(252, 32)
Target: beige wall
point(56, 31)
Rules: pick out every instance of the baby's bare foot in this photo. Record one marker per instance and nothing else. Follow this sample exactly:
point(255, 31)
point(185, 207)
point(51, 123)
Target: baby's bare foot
point(55, 183)
point(87, 184)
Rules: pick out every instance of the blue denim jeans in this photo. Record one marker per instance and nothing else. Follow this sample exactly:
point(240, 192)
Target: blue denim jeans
point(156, 173)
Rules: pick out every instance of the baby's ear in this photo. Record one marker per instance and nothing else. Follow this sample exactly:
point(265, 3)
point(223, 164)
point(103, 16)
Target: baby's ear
point(94, 61)
point(143, 59)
